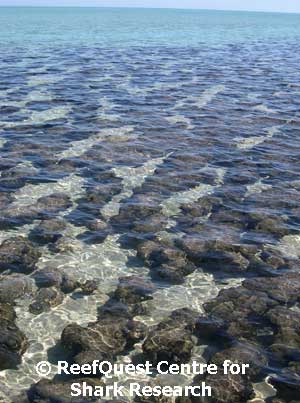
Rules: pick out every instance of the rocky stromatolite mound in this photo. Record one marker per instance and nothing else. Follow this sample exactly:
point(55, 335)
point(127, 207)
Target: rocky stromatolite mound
point(13, 343)
point(53, 203)
point(225, 258)
point(18, 254)
point(166, 262)
point(48, 231)
point(48, 277)
point(63, 280)
point(254, 323)
point(284, 289)
point(113, 333)
point(172, 339)
point(15, 286)
point(237, 306)
point(5, 200)
point(139, 218)
point(46, 207)
point(134, 289)
point(58, 391)
point(228, 387)
point(14, 177)
point(286, 341)
point(287, 385)
point(132, 293)
point(45, 299)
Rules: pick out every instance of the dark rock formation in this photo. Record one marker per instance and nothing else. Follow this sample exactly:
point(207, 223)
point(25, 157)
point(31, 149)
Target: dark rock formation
point(134, 289)
point(45, 299)
point(53, 203)
point(13, 343)
point(18, 254)
point(55, 391)
point(110, 335)
point(48, 231)
point(171, 340)
point(166, 263)
point(15, 286)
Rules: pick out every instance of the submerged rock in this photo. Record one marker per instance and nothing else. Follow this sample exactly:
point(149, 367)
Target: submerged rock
point(231, 257)
point(53, 203)
point(18, 254)
point(237, 306)
point(243, 354)
point(287, 332)
point(166, 263)
point(19, 215)
point(202, 207)
point(7, 312)
point(5, 200)
point(210, 328)
point(69, 284)
point(45, 299)
point(48, 231)
point(229, 388)
point(14, 178)
point(58, 391)
point(13, 342)
point(284, 289)
point(275, 225)
point(287, 386)
point(112, 334)
point(215, 256)
point(171, 340)
point(139, 217)
point(97, 225)
point(262, 314)
point(64, 244)
point(131, 295)
point(53, 277)
point(15, 286)
point(88, 287)
point(134, 289)
point(48, 277)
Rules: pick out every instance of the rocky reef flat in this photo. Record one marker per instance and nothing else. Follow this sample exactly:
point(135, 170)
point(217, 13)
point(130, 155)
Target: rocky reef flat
point(150, 202)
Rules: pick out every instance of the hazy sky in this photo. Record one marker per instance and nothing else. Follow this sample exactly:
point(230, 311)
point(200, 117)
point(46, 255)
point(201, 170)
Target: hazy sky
point(259, 5)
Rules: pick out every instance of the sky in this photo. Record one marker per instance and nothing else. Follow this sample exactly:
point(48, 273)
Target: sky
point(255, 5)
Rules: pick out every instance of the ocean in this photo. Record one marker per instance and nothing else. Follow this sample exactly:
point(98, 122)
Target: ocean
point(108, 27)
point(149, 181)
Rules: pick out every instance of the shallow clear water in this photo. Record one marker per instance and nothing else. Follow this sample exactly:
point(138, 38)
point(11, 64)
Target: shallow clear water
point(145, 108)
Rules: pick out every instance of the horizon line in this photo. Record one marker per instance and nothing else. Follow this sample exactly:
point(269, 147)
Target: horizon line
point(147, 8)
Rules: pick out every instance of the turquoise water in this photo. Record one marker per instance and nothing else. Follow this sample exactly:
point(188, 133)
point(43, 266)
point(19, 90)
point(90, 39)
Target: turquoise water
point(142, 27)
